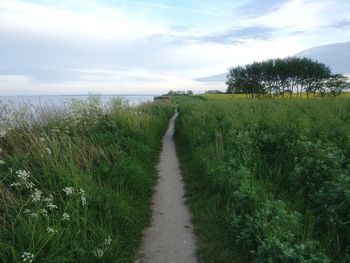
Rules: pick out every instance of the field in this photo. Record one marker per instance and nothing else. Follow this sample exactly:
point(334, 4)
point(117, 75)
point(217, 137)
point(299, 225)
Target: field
point(76, 185)
point(267, 180)
point(244, 96)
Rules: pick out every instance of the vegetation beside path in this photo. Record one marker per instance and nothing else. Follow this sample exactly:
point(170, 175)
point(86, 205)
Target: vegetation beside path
point(76, 186)
point(267, 180)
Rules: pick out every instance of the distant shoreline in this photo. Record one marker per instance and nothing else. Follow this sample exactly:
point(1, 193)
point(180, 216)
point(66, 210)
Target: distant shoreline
point(81, 95)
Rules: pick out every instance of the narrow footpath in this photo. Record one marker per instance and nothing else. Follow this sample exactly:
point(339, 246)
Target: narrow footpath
point(170, 237)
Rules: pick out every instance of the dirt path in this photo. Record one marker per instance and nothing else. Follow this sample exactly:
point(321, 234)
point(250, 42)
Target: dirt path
point(170, 238)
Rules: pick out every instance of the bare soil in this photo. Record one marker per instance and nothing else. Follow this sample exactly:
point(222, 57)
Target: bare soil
point(170, 237)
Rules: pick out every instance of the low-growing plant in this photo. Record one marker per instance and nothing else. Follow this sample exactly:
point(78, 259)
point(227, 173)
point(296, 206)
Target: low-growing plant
point(267, 180)
point(76, 183)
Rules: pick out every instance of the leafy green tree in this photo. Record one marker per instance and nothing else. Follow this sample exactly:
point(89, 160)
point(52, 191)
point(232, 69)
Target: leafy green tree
point(335, 85)
point(283, 76)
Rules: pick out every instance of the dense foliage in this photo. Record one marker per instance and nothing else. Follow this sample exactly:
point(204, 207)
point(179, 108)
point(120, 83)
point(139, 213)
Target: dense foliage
point(285, 76)
point(267, 180)
point(76, 186)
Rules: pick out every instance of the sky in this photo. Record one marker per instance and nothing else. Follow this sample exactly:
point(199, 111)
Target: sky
point(152, 46)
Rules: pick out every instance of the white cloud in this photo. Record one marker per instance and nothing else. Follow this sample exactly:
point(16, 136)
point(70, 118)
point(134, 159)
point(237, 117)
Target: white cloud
point(76, 46)
point(104, 24)
point(14, 78)
point(297, 15)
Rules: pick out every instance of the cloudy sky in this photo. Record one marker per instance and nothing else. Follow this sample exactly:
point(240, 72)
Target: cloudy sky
point(152, 46)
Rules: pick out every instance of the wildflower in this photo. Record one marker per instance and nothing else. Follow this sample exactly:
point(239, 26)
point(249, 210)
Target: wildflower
point(23, 175)
point(82, 196)
point(51, 206)
point(36, 195)
point(51, 230)
point(48, 199)
point(23, 179)
point(68, 190)
point(98, 252)
point(65, 217)
point(2, 134)
point(33, 214)
point(49, 203)
point(15, 184)
point(83, 200)
point(29, 185)
point(27, 257)
point(2, 162)
point(48, 150)
point(43, 212)
point(27, 211)
point(108, 241)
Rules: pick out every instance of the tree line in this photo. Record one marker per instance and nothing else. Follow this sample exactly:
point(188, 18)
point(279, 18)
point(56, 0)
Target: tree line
point(179, 92)
point(278, 77)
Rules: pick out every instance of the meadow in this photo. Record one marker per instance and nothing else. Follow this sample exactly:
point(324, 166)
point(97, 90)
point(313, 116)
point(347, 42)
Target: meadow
point(267, 180)
point(228, 96)
point(76, 182)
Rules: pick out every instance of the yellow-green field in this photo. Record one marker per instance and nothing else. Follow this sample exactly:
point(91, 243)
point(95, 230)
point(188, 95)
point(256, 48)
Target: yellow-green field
point(244, 96)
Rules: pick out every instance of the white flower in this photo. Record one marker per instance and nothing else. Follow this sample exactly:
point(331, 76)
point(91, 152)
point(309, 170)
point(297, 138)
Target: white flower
point(23, 179)
point(51, 206)
point(27, 257)
point(36, 195)
point(43, 212)
point(83, 200)
point(29, 185)
point(65, 217)
point(33, 214)
point(98, 252)
point(108, 241)
point(2, 134)
point(48, 199)
point(68, 190)
point(82, 196)
point(51, 230)
point(27, 211)
point(2, 162)
point(23, 175)
point(15, 184)
point(48, 150)
point(81, 191)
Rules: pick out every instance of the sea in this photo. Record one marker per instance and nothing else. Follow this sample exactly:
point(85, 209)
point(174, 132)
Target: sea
point(57, 100)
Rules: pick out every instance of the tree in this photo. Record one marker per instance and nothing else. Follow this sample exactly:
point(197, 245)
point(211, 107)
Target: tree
point(336, 84)
point(281, 76)
point(236, 80)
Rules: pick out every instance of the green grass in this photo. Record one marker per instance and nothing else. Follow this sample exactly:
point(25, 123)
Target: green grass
point(244, 96)
point(267, 180)
point(92, 171)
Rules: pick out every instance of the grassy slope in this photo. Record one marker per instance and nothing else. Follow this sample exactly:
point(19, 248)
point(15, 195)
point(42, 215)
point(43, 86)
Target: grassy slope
point(106, 158)
point(267, 180)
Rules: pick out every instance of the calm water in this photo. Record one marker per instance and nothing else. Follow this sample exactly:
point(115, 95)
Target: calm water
point(60, 99)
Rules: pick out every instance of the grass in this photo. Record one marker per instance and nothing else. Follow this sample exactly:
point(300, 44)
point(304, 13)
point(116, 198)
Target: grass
point(244, 96)
point(267, 180)
point(76, 182)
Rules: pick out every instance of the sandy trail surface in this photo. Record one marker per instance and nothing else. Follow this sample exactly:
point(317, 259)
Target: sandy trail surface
point(170, 237)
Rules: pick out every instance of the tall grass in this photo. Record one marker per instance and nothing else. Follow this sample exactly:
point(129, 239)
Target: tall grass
point(344, 94)
point(76, 182)
point(267, 180)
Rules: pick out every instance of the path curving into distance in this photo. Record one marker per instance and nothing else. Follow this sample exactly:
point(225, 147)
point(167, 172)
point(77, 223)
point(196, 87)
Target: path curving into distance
point(170, 237)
